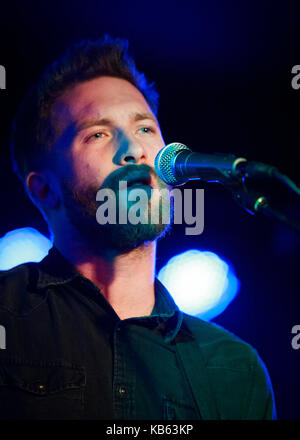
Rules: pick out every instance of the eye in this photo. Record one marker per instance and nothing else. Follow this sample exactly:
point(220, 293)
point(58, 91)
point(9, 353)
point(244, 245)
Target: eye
point(147, 130)
point(97, 135)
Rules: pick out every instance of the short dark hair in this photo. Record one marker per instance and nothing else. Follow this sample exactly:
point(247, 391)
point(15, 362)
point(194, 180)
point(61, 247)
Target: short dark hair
point(32, 133)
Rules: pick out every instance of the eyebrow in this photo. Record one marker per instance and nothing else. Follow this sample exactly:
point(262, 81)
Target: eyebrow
point(142, 116)
point(135, 117)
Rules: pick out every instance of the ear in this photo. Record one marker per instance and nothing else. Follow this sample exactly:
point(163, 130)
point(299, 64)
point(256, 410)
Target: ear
point(43, 190)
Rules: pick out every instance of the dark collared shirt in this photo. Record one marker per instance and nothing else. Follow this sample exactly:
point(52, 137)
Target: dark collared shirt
point(104, 367)
point(65, 354)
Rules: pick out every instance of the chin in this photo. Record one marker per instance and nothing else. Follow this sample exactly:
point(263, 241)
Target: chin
point(124, 238)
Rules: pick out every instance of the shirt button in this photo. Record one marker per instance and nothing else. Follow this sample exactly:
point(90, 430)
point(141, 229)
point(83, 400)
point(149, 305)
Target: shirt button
point(122, 391)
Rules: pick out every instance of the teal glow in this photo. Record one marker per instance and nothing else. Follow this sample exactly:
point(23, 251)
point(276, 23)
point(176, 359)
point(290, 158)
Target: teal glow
point(21, 246)
point(200, 282)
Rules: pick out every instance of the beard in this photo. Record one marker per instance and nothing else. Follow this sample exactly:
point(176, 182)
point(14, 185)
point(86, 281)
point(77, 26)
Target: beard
point(81, 208)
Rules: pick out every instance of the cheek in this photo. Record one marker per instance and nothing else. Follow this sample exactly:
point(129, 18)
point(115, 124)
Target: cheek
point(90, 170)
point(155, 152)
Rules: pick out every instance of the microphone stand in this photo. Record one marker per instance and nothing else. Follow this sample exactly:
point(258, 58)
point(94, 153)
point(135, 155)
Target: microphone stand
point(252, 201)
point(176, 164)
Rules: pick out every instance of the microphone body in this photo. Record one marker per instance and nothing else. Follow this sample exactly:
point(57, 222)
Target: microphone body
point(199, 165)
point(175, 164)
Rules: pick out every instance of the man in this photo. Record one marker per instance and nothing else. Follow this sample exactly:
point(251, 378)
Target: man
point(90, 331)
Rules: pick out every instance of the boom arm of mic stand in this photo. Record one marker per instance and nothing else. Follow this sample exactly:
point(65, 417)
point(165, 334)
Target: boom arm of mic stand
point(254, 202)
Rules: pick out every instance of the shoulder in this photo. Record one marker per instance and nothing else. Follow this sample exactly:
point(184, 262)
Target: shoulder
point(16, 273)
point(218, 345)
point(235, 365)
point(16, 288)
point(15, 279)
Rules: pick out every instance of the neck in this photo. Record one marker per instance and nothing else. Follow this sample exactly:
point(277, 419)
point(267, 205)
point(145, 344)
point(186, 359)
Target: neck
point(125, 280)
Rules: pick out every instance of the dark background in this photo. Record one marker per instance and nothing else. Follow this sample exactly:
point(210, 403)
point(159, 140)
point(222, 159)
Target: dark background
point(223, 70)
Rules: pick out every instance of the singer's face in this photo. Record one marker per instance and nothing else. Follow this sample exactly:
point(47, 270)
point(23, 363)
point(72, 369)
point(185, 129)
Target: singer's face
point(104, 126)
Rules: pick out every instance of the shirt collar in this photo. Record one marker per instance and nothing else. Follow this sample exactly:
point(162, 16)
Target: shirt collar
point(166, 309)
point(55, 270)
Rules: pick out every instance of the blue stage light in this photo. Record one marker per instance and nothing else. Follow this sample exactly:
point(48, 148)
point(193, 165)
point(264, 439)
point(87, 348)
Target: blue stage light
point(200, 282)
point(22, 246)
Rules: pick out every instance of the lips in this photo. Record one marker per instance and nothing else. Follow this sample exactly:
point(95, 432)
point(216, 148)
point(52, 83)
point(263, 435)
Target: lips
point(138, 178)
point(130, 176)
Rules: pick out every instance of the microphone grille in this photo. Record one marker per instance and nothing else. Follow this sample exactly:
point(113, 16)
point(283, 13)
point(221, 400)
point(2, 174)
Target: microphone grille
point(164, 162)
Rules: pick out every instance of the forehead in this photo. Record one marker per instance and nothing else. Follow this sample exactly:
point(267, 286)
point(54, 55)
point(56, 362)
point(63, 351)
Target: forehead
point(104, 96)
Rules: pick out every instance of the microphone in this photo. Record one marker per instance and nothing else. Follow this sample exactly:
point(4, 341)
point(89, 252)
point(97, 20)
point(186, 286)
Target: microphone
point(175, 164)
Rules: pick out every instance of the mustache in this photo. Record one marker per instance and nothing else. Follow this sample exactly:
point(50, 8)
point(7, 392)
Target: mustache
point(129, 173)
point(86, 197)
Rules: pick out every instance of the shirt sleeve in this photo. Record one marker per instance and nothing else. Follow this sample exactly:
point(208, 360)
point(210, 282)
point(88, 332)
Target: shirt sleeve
point(261, 402)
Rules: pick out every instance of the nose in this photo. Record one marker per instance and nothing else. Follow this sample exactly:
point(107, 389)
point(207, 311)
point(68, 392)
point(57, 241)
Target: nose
point(130, 151)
